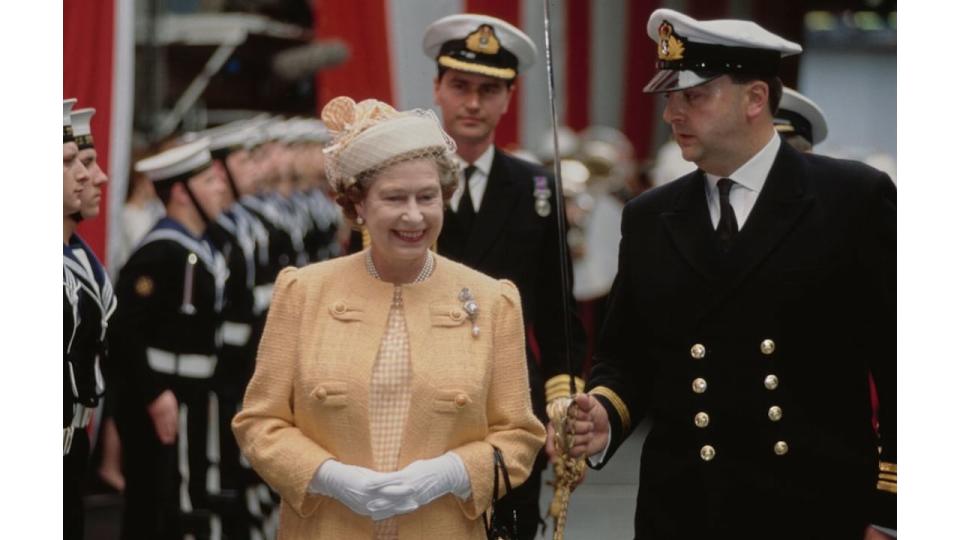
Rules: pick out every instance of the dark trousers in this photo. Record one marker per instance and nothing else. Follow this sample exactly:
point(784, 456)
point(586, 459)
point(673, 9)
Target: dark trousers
point(156, 507)
point(525, 500)
point(74, 471)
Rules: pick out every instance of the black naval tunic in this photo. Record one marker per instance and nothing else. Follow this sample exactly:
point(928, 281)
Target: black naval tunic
point(88, 304)
point(511, 240)
point(165, 338)
point(753, 365)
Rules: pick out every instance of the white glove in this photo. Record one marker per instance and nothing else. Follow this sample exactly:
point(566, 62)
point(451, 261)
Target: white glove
point(428, 479)
point(358, 487)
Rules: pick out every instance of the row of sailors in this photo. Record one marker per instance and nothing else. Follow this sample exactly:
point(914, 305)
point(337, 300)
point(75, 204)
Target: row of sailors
point(241, 202)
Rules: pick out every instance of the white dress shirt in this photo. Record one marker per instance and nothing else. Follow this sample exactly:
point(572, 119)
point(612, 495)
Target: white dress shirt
point(478, 182)
point(748, 181)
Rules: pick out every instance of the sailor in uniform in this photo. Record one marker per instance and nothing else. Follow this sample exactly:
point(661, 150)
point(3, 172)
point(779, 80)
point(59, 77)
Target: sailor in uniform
point(165, 343)
point(88, 302)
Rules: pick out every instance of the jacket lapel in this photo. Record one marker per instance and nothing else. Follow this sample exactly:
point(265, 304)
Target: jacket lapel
point(689, 227)
point(499, 199)
point(784, 199)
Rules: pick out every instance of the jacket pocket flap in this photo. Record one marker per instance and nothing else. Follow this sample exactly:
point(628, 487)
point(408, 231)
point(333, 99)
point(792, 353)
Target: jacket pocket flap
point(447, 315)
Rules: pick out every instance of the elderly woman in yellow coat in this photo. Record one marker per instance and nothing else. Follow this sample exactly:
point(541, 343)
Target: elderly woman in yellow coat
point(386, 378)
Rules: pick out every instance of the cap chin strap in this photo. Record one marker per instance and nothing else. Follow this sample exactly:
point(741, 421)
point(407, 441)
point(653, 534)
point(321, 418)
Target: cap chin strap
point(196, 204)
point(222, 158)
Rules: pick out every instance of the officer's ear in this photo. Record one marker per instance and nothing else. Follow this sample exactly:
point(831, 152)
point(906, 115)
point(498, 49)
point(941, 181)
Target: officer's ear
point(757, 97)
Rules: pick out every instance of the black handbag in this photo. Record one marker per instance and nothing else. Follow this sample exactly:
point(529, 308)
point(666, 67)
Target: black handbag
point(498, 527)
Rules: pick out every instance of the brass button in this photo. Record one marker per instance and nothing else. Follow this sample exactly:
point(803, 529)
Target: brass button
point(771, 382)
point(780, 448)
point(460, 400)
point(707, 452)
point(767, 346)
point(698, 351)
point(702, 419)
point(699, 385)
point(192, 258)
point(775, 413)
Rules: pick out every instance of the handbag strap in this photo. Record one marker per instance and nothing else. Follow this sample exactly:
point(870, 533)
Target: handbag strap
point(499, 467)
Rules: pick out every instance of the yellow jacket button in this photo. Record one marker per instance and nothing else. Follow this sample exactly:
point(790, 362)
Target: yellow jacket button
point(461, 400)
point(339, 307)
point(456, 315)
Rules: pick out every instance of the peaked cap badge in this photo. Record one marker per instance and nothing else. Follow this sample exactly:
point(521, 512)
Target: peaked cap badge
point(670, 47)
point(483, 40)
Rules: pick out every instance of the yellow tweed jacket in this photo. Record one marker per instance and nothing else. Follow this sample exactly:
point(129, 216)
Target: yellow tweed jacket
point(307, 401)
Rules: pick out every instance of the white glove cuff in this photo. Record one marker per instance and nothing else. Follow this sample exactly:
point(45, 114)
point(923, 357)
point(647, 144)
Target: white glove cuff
point(320, 484)
point(459, 479)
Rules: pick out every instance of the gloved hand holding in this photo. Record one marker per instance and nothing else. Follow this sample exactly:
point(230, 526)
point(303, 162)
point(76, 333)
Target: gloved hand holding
point(427, 479)
point(358, 488)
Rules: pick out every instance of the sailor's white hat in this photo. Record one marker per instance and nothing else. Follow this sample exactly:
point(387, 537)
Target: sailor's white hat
point(799, 114)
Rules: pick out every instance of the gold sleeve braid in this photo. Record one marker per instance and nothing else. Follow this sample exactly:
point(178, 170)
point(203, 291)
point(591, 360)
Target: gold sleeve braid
point(622, 411)
point(887, 479)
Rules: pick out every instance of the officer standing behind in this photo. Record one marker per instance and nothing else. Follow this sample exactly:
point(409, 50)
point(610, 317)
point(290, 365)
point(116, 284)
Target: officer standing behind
point(799, 121)
point(501, 217)
point(87, 304)
point(165, 345)
point(752, 297)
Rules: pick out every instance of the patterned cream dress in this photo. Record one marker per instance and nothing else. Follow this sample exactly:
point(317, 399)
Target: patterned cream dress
point(390, 392)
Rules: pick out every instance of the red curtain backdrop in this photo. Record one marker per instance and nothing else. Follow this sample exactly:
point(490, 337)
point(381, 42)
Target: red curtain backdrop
point(639, 113)
point(88, 76)
point(363, 26)
point(508, 132)
point(578, 64)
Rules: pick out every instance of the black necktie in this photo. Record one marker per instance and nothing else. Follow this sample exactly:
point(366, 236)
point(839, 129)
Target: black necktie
point(466, 212)
point(727, 227)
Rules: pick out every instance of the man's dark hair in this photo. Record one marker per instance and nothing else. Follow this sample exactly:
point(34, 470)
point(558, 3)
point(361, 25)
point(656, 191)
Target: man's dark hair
point(163, 190)
point(443, 69)
point(774, 85)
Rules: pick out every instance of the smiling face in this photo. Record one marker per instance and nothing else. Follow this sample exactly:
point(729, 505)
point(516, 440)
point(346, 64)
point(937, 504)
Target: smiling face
point(403, 212)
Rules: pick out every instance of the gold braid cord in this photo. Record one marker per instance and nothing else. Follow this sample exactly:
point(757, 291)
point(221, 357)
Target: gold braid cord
point(567, 470)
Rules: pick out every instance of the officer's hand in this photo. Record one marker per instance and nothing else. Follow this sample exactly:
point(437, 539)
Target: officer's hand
point(873, 534)
point(592, 427)
point(163, 412)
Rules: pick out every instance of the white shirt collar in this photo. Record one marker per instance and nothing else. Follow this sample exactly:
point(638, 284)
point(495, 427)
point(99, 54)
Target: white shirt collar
point(483, 163)
point(753, 173)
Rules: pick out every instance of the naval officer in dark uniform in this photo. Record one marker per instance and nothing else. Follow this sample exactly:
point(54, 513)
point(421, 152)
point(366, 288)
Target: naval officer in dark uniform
point(164, 345)
point(501, 218)
point(753, 296)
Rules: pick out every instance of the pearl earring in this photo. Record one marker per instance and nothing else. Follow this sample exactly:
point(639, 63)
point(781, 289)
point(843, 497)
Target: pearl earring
point(359, 220)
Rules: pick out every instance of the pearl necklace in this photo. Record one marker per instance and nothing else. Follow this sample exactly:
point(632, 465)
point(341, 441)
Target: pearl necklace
point(424, 272)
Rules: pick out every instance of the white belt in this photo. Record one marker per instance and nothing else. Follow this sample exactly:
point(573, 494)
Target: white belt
point(195, 366)
point(235, 333)
point(261, 297)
